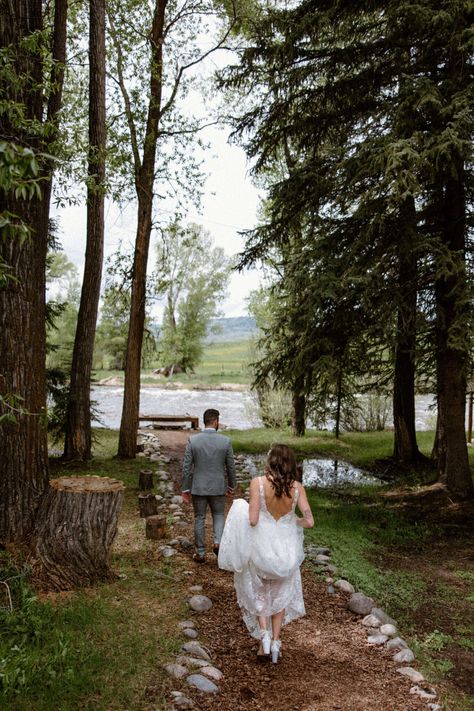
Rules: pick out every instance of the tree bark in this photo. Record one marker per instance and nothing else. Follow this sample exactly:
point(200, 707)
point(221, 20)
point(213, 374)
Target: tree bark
point(77, 523)
point(156, 527)
point(145, 176)
point(452, 349)
point(299, 408)
point(78, 442)
point(145, 479)
point(405, 447)
point(23, 445)
point(148, 505)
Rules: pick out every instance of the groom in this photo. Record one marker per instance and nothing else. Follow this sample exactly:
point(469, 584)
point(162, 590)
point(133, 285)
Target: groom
point(208, 462)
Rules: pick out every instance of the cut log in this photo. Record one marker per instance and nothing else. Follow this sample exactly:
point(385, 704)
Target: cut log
point(145, 480)
point(76, 525)
point(147, 504)
point(156, 527)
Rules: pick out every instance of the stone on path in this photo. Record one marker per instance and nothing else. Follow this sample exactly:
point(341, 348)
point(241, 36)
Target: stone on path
point(176, 670)
point(389, 630)
point(344, 586)
point(331, 590)
point(371, 621)
point(177, 499)
point(412, 674)
point(181, 701)
point(195, 588)
point(192, 633)
point(377, 639)
point(383, 617)
point(192, 661)
point(186, 623)
point(427, 693)
point(196, 650)
point(200, 603)
point(397, 643)
point(212, 673)
point(321, 559)
point(202, 683)
point(322, 550)
point(168, 552)
point(404, 656)
point(360, 603)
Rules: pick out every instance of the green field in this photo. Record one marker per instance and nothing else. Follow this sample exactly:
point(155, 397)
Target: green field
point(222, 363)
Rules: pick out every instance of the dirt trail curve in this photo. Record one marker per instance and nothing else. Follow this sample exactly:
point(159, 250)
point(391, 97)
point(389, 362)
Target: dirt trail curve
point(326, 663)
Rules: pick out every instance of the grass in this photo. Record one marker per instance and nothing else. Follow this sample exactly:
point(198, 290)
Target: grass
point(102, 649)
point(221, 363)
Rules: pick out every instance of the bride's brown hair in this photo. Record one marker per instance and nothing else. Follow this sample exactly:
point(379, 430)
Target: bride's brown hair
point(280, 469)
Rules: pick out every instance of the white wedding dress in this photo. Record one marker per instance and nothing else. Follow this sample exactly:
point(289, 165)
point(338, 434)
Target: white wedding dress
point(265, 560)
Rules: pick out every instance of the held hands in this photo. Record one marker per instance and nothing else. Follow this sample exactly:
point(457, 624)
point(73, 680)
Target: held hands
point(186, 496)
point(229, 493)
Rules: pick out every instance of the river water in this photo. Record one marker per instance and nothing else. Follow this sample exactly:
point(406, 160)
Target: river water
point(238, 409)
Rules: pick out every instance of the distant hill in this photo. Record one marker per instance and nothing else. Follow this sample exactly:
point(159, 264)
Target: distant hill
point(238, 328)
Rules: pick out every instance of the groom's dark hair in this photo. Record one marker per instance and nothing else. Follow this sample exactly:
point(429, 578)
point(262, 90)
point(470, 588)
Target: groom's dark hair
point(210, 416)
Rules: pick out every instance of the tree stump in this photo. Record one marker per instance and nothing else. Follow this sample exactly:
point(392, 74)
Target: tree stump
point(145, 480)
point(76, 525)
point(156, 527)
point(148, 505)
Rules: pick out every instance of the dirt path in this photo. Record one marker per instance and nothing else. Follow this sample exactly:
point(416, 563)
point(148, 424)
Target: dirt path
point(326, 663)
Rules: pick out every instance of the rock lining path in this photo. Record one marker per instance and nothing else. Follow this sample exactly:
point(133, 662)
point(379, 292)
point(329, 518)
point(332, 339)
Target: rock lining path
point(327, 662)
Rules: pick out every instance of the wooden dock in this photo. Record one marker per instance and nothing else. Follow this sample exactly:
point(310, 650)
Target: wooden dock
point(170, 420)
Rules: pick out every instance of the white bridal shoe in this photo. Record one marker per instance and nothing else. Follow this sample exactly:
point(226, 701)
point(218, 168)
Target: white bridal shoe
point(275, 649)
point(266, 638)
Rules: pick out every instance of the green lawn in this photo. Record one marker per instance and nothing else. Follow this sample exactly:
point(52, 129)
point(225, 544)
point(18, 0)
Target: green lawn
point(221, 363)
point(102, 649)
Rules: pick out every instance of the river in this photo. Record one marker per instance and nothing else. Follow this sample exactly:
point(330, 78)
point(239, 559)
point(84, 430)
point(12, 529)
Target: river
point(238, 409)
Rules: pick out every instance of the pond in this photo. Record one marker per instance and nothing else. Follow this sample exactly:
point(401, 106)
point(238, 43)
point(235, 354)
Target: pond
point(322, 473)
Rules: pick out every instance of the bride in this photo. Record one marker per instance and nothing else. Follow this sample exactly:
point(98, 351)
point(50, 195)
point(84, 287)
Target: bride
point(262, 545)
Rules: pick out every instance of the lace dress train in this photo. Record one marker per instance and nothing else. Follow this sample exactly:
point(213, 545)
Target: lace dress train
point(265, 560)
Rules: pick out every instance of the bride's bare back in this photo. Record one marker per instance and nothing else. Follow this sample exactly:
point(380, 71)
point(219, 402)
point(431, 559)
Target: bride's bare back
point(278, 506)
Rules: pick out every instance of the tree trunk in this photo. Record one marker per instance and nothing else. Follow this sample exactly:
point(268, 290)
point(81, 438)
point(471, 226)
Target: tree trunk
point(23, 445)
point(145, 479)
point(156, 527)
point(78, 441)
point(339, 399)
point(452, 354)
point(144, 185)
point(299, 408)
point(148, 505)
point(76, 526)
point(405, 448)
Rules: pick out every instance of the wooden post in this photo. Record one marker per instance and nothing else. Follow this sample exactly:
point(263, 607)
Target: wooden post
point(145, 480)
point(76, 525)
point(147, 504)
point(156, 527)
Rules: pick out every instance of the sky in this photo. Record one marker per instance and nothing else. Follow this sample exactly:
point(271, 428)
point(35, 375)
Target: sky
point(229, 205)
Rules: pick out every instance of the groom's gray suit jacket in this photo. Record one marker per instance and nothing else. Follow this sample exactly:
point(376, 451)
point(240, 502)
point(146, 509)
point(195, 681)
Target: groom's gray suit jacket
point(208, 461)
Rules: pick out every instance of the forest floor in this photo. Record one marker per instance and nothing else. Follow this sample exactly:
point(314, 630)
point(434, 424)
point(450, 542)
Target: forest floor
point(326, 661)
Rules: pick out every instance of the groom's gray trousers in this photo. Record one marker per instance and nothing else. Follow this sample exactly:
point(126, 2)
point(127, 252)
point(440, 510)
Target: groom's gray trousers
point(200, 503)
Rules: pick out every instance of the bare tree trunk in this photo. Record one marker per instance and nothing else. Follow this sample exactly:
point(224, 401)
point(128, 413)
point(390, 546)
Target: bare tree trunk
point(299, 408)
point(405, 448)
point(78, 441)
point(339, 398)
point(144, 185)
point(451, 355)
point(23, 445)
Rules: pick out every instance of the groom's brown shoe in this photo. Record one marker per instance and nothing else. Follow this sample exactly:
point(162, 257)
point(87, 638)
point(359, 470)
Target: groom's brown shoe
point(199, 558)
point(215, 548)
